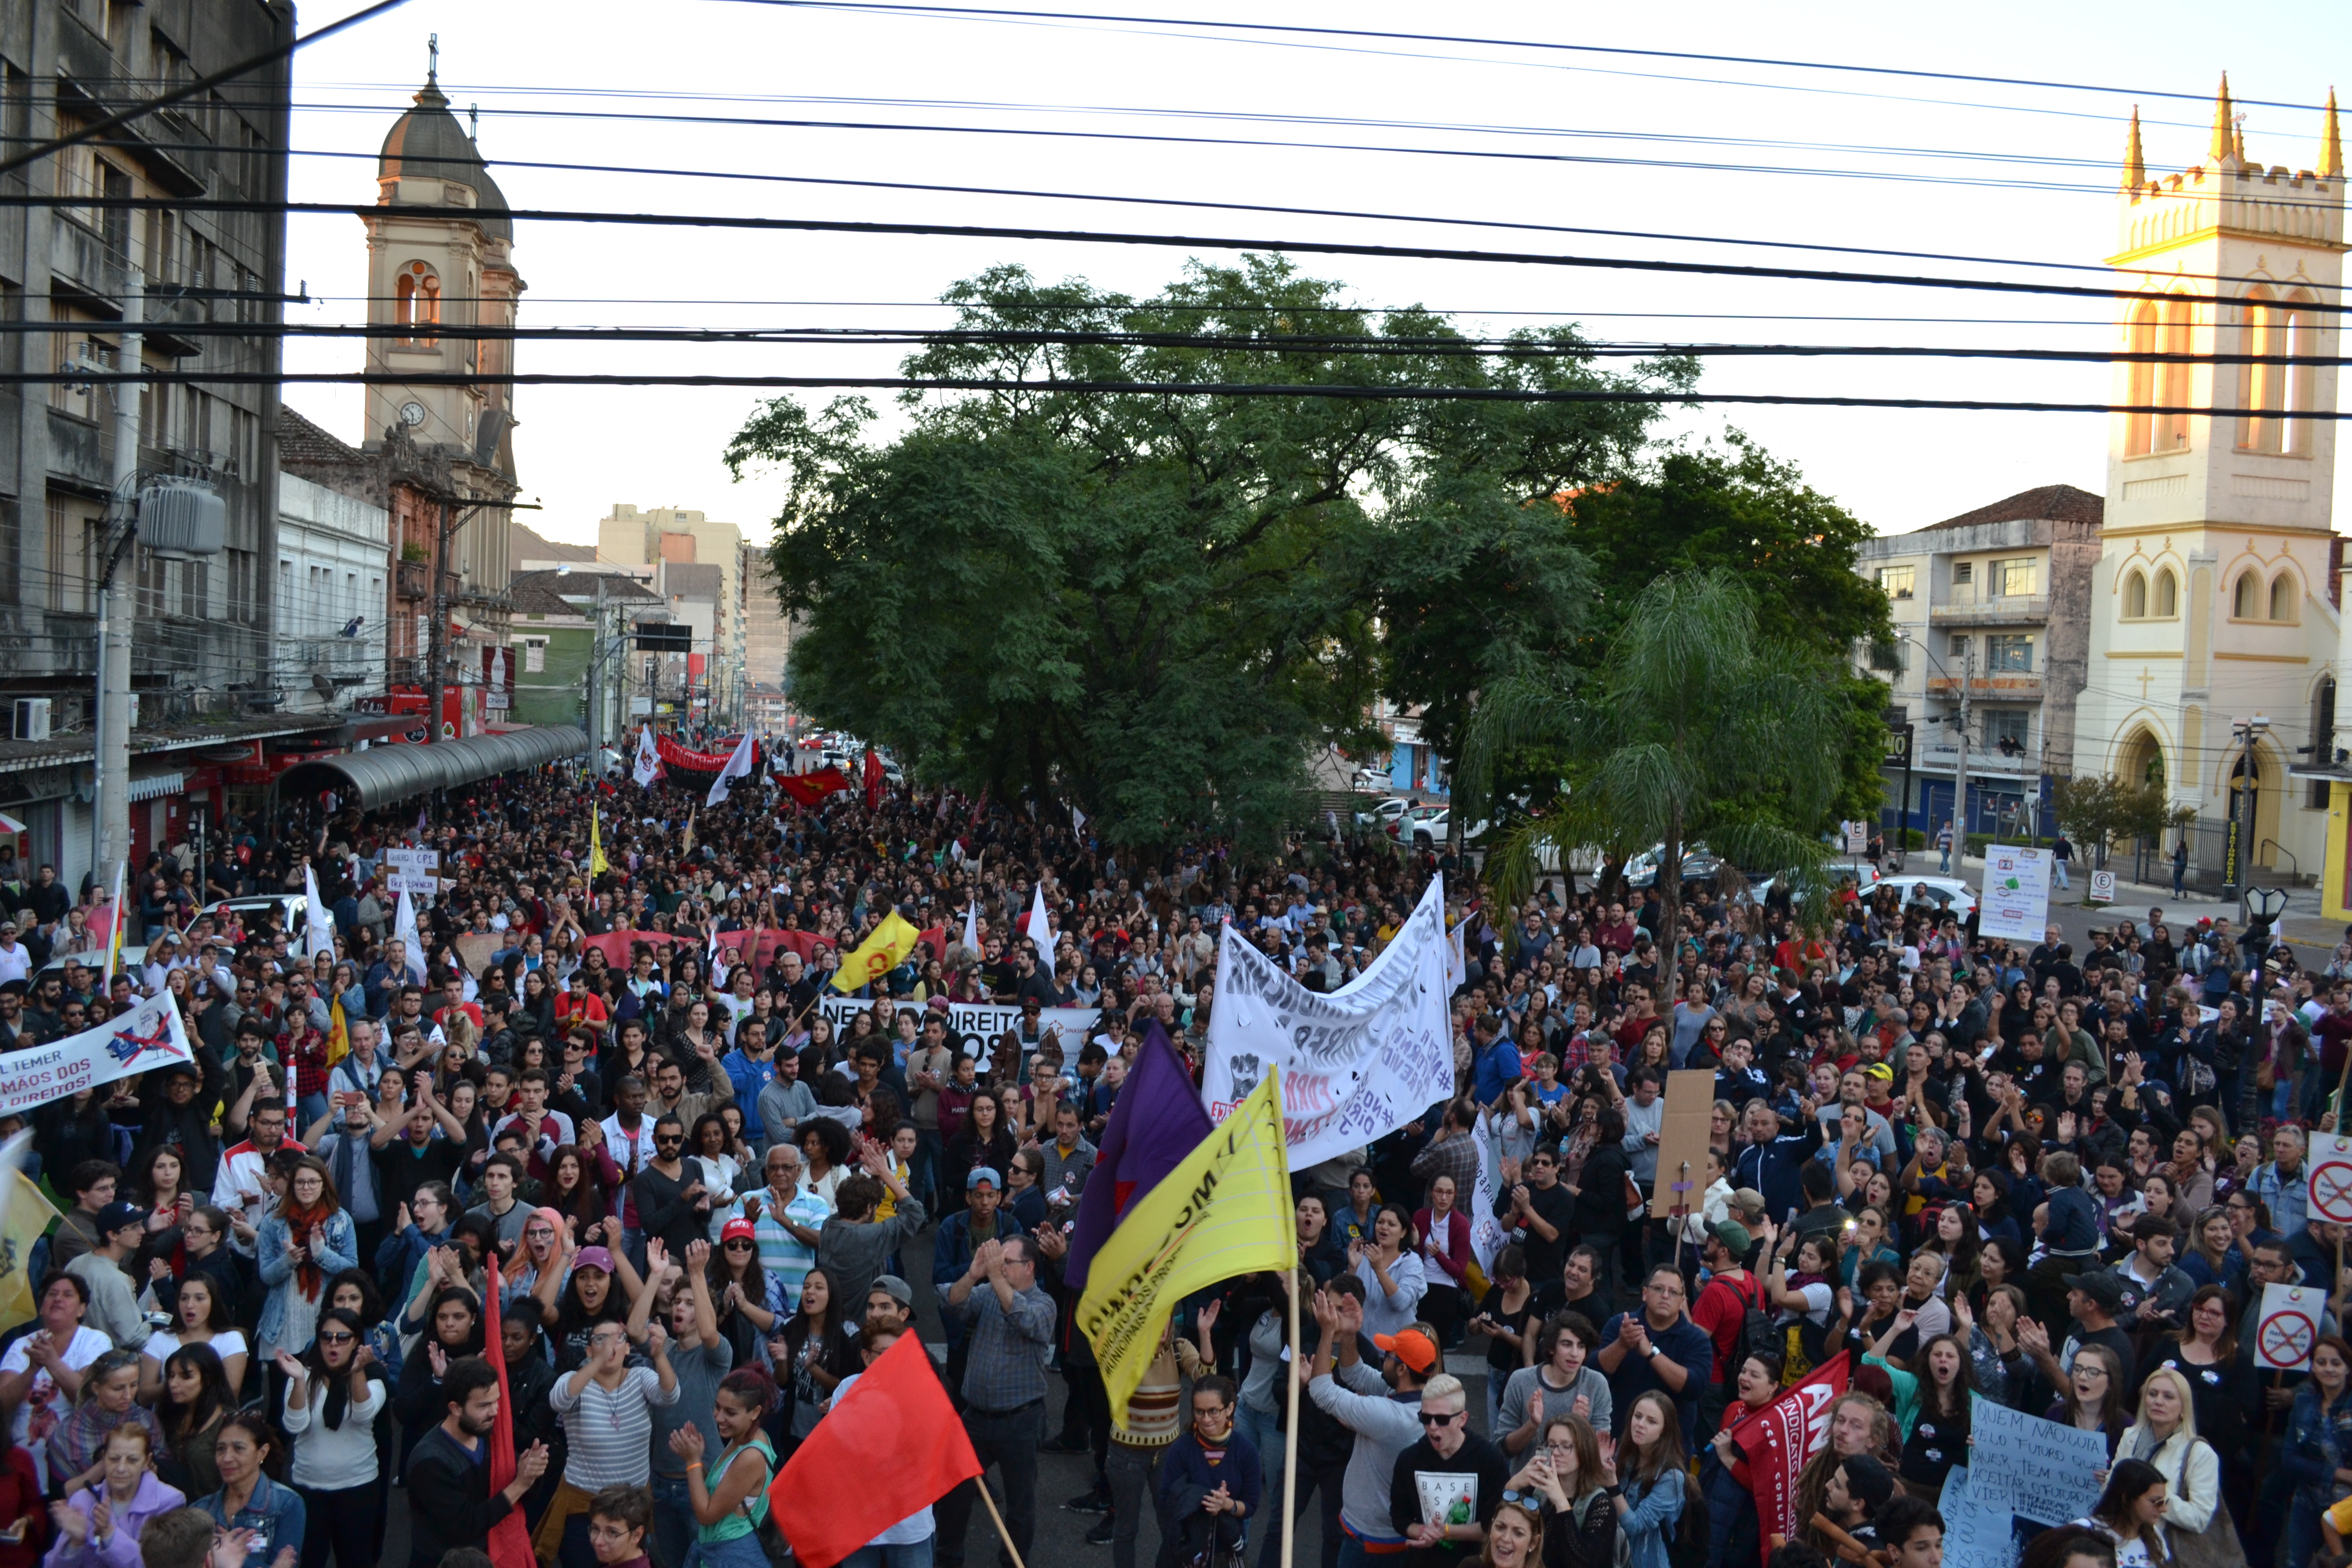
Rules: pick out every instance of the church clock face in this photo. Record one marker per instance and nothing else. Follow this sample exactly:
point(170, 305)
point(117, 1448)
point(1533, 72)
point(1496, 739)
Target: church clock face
point(411, 413)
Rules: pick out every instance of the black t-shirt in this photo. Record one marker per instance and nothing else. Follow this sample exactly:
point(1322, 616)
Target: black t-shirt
point(2115, 1339)
point(1557, 1205)
point(1463, 1487)
point(1501, 1355)
point(401, 1167)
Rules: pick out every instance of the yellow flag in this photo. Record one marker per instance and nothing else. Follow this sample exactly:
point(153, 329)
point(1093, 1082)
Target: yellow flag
point(596, 865)
point(338, 1033)
point(1224, 1210)
point(878, 955)
point(28, 1214)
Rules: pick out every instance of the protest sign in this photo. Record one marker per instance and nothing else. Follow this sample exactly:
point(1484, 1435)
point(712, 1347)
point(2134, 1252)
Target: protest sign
point(414, 861)
point(1684, 1129)
point(1357, 1063)
point(2329, 1161)
point(982, 1024)
point(2037, 1470)
point(146, 1037)
point(423, 882)
point(2016, 901)
point(2288, 1327)
point(1976, 1534)
point(1780, 1440)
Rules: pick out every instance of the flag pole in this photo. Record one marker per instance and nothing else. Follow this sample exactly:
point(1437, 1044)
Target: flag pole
point(979, 1483)
point(1290, 1432)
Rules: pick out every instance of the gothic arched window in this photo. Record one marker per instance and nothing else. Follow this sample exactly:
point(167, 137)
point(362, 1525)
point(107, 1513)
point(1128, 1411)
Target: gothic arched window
point(2168, 595)
point(2245, 602)
point(2283, 596)
point(2139, 429)
point(2136, 596)
point(2172, 384)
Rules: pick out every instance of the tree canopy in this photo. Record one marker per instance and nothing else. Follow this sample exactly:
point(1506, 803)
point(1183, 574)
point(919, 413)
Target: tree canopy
point(1161, 605)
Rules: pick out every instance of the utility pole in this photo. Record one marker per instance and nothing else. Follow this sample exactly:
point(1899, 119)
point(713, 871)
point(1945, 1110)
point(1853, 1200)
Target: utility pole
point(112, 726)
point(440, 628)
point(596, 685)
point(2237, 858)
point(1960, 789)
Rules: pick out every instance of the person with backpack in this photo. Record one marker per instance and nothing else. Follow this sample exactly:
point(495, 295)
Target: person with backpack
point(1803, 1297)
point(1733, 1310)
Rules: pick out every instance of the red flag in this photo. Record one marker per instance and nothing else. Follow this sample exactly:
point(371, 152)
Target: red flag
point(833, 1496)
point(511, 1536)
point(1781, 1436)
point(873, 781)
point(810, 789)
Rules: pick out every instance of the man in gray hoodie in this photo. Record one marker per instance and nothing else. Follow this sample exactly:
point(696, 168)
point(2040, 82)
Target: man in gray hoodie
point(1382, 1408)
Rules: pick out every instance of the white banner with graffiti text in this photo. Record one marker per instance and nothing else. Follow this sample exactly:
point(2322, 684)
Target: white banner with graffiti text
point(980, 1024)
point(1357, 1062)
point(147, 1037)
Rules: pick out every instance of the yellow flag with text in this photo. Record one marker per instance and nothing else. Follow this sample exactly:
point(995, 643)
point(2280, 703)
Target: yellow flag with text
point(596, 865)
point(878, 955)
point(1224, 1210)
point(27, 1213)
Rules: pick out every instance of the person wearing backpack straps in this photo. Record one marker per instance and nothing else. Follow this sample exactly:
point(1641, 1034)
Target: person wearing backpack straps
point(1734, 1311)
point(730, 1497)
point(1661, 1517)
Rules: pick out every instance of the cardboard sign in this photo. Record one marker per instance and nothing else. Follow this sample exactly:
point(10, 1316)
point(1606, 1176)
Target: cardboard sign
point(414, 861)
point(2020, 1464)
point(1682, 1144)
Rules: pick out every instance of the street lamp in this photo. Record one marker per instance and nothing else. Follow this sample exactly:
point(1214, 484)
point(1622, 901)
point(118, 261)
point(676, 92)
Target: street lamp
point(1961, 770)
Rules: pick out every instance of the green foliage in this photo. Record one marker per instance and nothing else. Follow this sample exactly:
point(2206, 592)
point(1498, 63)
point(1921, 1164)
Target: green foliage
point(1161, 606)
point(1697, 724)
point(2101, 810)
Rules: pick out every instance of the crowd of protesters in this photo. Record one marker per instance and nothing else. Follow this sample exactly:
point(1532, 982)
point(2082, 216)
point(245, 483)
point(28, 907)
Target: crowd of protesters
point(2052, 1179)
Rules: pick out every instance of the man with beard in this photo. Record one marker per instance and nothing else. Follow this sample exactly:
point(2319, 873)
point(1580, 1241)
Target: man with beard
point(450, 1501)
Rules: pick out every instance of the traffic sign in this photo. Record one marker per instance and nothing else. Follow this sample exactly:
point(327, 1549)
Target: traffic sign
point(2290, 1327)
point(2102, 887)
point(2330, 1189)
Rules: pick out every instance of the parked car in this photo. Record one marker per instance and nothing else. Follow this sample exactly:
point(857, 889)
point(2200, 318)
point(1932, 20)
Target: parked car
point(1434, 830)
point(1700, 864)
point(293, 912)
point(1383, 813)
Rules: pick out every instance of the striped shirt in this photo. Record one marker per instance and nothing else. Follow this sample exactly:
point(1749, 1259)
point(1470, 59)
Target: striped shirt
point(610, 1430)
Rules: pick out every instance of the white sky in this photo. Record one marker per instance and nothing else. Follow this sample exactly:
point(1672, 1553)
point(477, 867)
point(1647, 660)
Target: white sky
point(582, 448)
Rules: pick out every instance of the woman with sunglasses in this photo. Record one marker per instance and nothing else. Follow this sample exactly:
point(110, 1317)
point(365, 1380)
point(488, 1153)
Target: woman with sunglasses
point(334, 1395)
point(750, 1300)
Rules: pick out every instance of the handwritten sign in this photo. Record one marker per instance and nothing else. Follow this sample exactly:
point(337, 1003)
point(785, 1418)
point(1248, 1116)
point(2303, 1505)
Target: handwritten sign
point(2037, 1470)
point(1976, 1534)
point(414, 861)
point(147, 1037)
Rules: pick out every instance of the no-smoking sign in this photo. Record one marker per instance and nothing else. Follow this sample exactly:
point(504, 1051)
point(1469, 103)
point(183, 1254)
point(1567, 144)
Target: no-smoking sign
point(2290, 1327)
point(2330, 1192)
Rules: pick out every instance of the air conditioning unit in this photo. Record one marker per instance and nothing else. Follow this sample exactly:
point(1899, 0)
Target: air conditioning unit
point(32, 720)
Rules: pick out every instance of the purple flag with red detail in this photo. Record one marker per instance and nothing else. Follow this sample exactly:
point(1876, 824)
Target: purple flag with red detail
point(1155, 1122)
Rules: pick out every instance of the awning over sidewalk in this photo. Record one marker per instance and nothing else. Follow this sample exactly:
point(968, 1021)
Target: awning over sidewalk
point(381, 774)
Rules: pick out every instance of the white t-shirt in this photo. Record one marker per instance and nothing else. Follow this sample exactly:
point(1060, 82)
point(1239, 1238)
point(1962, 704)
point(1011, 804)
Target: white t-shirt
point(44, 1395)
point(225, 1344)
point(1819, 1298)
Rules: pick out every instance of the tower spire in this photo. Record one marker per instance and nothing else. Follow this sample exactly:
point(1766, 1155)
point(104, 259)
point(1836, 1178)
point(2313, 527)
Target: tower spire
point(2331, 144)
point(433, 61)
point(2224, 146)
point(2135, 161)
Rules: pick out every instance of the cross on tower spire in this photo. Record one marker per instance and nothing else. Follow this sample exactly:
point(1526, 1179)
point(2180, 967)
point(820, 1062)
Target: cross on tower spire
point(433, 58)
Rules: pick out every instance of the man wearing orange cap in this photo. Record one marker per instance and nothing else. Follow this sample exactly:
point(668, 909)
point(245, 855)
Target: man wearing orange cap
point(1382, 1408)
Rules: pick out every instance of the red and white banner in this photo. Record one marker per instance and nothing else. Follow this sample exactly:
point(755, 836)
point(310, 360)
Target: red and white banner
point(1780, 1437)
point(148, 1038)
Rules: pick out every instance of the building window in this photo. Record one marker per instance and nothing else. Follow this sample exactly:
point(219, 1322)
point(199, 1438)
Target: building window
point(196, 597)
point(2136, 596)
point(2004, 731)
point(2168, 595)
point(2283, 596)
point(1896, 581)
point(2139, 384)
point(2011, 654)
point(1957, 648)
point(2017, 578)
point(69, 559)
point(534, 657)
point(2245, 598)
point(2172, 379)
point(1964, 572)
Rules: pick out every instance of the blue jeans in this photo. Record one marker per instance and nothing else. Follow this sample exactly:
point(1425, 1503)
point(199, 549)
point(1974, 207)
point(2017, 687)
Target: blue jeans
point(744, 1552)
point(673, 1522)
point(2058, 869)
point(914, 1554)
point(1944, 860)
point(1265, 1435)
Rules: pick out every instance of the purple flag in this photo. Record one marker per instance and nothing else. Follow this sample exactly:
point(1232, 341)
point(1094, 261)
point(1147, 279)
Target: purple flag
point(1155, 1122)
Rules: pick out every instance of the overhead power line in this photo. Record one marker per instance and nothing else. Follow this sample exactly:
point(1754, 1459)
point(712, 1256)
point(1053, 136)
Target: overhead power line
point(1178, 241)
point(1124, 388)
point(990, 12)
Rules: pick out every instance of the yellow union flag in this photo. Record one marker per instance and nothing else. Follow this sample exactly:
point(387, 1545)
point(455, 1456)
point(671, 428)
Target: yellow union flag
point(878, 955)
point(27, 1215)
point(339, 1031)
point(1224, 1210)
point(597, 866)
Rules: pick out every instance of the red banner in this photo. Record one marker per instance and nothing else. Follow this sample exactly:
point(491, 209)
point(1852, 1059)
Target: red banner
point(873, 781)
point(810, 789)
point(1780, 1437)
point(616, 945)
point(674, 755)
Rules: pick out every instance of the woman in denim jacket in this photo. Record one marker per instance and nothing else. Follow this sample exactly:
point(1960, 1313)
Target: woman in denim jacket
point(248, 1498)
point(2318, 1445)
point(304, 1241)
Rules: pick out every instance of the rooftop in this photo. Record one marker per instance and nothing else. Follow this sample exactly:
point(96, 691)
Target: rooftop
point(2051, 503)
point(428, 143)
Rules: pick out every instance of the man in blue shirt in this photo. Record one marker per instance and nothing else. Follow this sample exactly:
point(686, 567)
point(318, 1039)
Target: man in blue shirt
point(1657, 1347)
point(1494, 1061)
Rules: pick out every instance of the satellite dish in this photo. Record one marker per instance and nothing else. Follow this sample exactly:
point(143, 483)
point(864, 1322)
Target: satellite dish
point(322, 686)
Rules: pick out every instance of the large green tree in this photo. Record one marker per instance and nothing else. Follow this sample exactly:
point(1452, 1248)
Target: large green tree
point(1157, 604)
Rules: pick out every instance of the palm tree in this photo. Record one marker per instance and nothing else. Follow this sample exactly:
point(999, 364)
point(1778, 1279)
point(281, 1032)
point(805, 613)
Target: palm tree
point(1696, 727)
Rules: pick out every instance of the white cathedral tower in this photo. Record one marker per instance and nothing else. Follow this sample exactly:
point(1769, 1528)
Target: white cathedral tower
point(2216, 597)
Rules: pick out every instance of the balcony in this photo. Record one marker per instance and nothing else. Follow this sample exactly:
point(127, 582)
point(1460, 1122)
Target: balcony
point(81, 260)
point(1945, 757)
point(2007, 686)
point(1968, 605)
point(411, 580)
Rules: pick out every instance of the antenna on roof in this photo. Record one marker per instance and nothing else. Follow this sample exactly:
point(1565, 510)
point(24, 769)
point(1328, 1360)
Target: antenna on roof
point(433, 56)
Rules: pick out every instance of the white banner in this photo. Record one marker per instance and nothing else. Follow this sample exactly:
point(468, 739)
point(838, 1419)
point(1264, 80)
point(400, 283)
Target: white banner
point(423, 882)
point(1487, 1232)
point(1356, 1063)
point(2016, 898)
point(414, 861)
point(147, 1037)
point(982, 1024)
